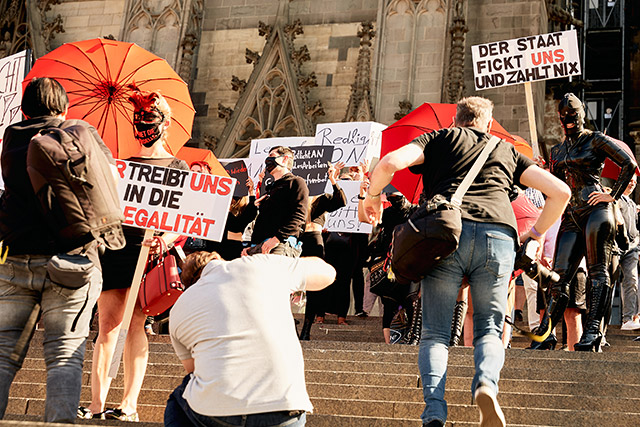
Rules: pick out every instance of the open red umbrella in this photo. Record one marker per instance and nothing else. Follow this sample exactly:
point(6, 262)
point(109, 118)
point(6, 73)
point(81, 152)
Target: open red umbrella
point(96, 74)
point(610, 169)
point(193, 154)
point(427, 118)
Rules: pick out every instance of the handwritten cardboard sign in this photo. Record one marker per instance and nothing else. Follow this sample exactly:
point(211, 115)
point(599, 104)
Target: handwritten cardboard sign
point(12, 71)
point(238, 170)
point(353, 142)
point(260, 149)
point(345, 220)
point(526, 59)
point(174, 200)
point(311, 164)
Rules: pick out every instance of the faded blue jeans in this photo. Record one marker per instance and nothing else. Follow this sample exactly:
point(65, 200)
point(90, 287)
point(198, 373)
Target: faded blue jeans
point(485, 256)
point(629, 284)
point(178, 413)
point(24, 283)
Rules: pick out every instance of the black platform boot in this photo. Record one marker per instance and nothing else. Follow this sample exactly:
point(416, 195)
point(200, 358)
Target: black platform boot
point(457, 322)
point(552, 316)
point(592, 336)
point(305, 332)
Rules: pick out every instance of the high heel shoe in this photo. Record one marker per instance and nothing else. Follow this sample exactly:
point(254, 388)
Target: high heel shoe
point(548, 344)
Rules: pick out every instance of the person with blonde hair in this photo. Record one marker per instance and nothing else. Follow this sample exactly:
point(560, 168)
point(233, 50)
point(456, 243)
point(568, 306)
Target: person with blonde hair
point(151, 118)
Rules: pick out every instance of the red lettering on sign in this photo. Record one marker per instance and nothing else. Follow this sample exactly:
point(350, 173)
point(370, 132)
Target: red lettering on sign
point(141, 218)
point(128, 214)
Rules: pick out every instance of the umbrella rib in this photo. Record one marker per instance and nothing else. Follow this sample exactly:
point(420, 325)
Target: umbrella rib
point(126, 78)
point(117, 77)
point(90, 61)
point(81, 71)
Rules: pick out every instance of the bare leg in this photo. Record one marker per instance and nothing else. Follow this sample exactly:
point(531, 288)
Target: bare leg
point(574, 326)
point(136, 355)
point(468, 324)
point(387, 335)
point(110, 311)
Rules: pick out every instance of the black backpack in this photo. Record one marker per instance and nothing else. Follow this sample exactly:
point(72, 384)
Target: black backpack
point(73, 181)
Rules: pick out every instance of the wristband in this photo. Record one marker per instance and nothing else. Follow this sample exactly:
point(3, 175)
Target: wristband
point(535, 232)
point(361, 197)
point(374, 196)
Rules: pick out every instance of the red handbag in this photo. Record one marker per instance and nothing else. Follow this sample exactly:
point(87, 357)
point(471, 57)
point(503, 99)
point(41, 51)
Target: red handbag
point(161, 286)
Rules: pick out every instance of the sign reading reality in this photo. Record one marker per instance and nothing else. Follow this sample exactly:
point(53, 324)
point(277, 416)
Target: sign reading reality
point(174, 200)
point(526, 59)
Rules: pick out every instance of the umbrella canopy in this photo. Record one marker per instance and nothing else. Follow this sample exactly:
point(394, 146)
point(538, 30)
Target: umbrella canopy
point(427, 118)
point(96, 74)
point(610, 169)
point(192, 154)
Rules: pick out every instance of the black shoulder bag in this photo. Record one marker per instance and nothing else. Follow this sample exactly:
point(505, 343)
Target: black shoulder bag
point(433, 231)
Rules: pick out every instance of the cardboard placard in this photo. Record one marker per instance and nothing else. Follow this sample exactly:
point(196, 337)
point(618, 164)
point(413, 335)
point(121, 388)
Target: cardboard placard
point(526, 59)
point(353, 142)
point(174, 200)
point(311, 164)
point(260, 150)
point(345, 219)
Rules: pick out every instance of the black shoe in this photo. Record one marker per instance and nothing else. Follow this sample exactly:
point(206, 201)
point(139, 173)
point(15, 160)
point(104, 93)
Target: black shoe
point(305, 332)
point(362, 314)
point(518, 316)
point(433, 423)
point(548, 344)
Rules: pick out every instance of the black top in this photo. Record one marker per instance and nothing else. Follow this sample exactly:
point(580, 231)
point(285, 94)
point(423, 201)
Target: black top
point(327, 203)
point(22, 227)
point(283, 212)
point(448, 156)
point(237, 224)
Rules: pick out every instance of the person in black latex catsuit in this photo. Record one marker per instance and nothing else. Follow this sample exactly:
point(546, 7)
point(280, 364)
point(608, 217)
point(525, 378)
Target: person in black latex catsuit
point(588, 224)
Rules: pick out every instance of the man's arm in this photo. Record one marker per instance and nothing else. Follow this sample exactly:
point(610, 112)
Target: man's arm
point(409, 155)
point(316, 272)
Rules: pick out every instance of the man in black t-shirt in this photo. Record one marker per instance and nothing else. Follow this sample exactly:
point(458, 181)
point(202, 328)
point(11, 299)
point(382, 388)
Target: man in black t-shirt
point(282, 210)
point(486, 250)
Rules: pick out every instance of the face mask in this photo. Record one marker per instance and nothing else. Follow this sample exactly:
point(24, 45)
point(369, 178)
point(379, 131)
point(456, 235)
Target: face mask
point(270, 163)
point(571, 114)
point(147, 127)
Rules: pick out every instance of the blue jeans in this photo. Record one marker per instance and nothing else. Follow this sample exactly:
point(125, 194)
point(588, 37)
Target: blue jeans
point(178, 413)
point(485, 256)
point(23, 284)
point(629, 284)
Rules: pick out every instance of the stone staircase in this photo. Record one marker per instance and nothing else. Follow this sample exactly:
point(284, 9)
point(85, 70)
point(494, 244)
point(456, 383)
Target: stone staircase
point(354, 379)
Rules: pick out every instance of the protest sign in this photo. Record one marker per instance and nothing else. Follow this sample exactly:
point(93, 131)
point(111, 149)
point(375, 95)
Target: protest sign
point(345, 220)
point(260, 150)
point(311, 164)
point(526, 59)
point(238, 170)
point(174, 200)
point(353, 142)
point(12, 71)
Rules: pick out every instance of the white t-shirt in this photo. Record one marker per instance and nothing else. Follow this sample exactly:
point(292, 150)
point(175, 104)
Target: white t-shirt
point(236, 324)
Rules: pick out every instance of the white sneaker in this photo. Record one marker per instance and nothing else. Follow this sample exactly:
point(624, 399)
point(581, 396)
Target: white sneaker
point(490, 413)
point(630, 325)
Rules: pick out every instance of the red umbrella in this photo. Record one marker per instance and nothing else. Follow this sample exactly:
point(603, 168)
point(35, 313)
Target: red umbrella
point(610, 169)
point(96, 74)
point(427, 118)
point(193, 154)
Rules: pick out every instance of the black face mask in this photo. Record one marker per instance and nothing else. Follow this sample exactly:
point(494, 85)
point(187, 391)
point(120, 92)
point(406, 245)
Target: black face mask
point(270, 163)
point(571, 114)
point(147, 125)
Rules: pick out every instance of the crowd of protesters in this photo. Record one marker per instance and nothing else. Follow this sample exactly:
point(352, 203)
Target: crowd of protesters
point(586, 230)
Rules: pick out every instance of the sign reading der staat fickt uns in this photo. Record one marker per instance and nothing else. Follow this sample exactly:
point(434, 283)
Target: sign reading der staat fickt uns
point(526, 59)
point(174, 200)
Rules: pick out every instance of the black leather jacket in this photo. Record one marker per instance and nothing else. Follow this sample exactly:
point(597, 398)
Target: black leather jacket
point(579, 163)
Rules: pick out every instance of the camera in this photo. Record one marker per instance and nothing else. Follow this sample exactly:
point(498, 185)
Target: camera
point(527, 262)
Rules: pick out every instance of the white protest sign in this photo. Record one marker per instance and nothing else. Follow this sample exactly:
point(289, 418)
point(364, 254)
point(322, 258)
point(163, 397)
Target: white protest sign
point(174, 200)
point(345, 220)
point(353, 142)
point(12, 72)
point(260, 150)
point(526, 59)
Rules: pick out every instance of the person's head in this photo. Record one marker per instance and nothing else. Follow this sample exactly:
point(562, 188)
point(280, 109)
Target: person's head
point(279, 157)
point(151, 116)
point(631, 185)
point(396, 199)
point(44, 96)
point(474, 111)
point(571, 113)
point(200, 166)
point(193, 265)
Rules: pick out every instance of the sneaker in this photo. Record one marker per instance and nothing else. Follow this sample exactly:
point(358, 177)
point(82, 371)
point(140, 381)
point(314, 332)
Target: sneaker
point(149, 330)
point(490, 413)
point(117, 414)
point(630, 325)
point(86, 414)
point(362, 314)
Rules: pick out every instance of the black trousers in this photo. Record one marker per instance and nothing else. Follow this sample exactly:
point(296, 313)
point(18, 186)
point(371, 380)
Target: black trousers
point(313, 245)
point(346, 252)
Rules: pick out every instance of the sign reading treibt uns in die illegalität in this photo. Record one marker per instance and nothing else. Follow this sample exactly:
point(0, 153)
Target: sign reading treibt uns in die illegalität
point(526, 59)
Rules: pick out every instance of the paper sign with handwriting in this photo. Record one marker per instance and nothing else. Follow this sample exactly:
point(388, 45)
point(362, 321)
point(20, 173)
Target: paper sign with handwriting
point(174, 200)
point(353, 142)
point(345, 220)
point(311, 164)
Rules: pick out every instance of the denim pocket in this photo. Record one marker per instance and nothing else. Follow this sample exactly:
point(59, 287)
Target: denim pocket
point(500, 254)
point(7, 274)
point(66, 293)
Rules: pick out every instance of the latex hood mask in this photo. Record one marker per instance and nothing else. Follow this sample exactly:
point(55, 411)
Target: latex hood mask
point(571, 113)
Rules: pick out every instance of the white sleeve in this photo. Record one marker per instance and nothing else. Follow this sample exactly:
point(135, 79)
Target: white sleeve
point(182, 351)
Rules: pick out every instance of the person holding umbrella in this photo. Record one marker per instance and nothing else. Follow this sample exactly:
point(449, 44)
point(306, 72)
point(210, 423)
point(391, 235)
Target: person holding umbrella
point(485, 255)
point(151, 118)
